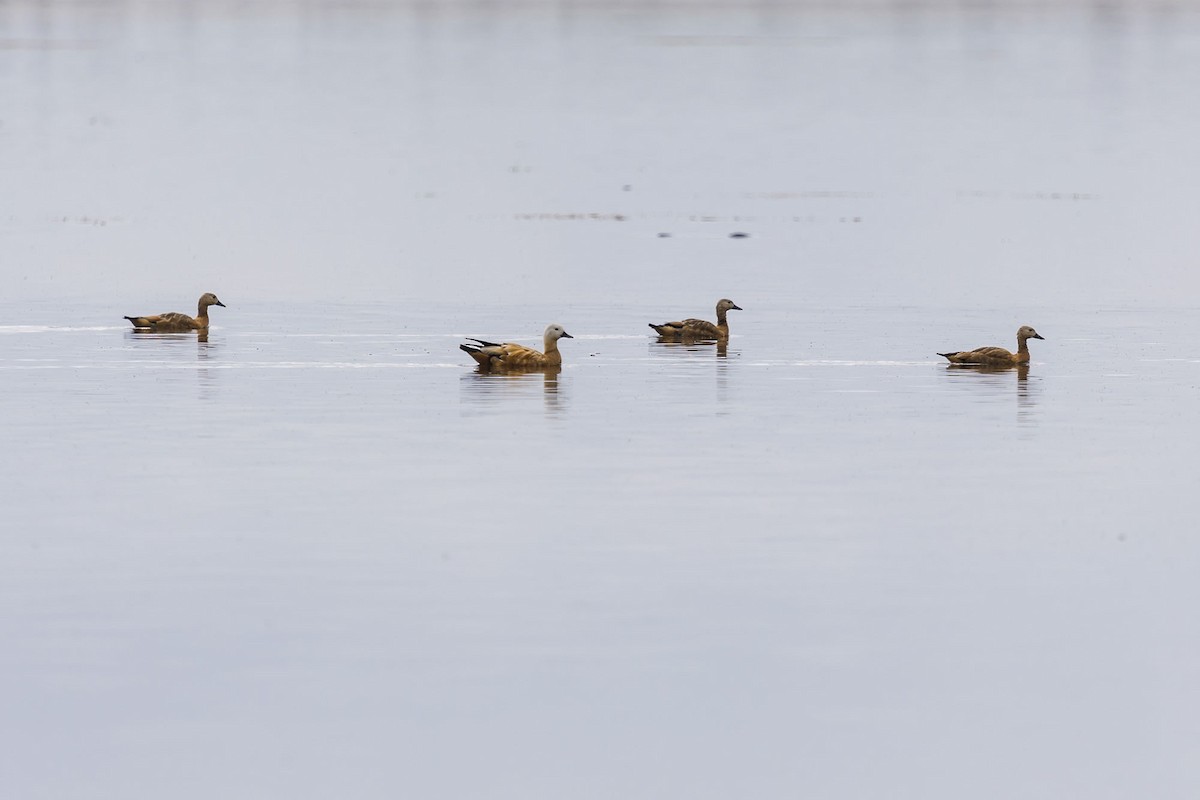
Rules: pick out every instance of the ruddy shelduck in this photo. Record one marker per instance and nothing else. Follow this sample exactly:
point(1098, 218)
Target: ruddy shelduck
point(508, 356)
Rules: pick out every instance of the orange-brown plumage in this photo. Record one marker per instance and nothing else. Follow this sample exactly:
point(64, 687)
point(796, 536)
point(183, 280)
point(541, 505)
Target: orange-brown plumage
point(510, 357)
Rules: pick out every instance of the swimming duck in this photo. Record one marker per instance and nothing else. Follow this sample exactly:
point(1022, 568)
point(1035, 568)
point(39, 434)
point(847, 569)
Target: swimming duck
point(175, 322)
point(491, 355)
point(699, 328)
point(997, 356)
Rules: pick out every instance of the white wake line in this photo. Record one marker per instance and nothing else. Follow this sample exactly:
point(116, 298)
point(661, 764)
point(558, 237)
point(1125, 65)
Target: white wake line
point(130, 366)
point(583, 337)
point(56, 328)
point(382, 335)
point(241, 334)
point(840, 363)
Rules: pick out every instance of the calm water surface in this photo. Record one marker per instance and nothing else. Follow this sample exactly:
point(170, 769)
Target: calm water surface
point(319, 555)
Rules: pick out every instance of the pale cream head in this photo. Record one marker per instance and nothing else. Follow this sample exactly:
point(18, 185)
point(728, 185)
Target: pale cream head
point(554, 332)
point(727, 305)
point(1027, 332)
point(209, 299)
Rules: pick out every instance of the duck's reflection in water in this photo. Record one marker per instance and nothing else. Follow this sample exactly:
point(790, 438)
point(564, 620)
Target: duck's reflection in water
point(206, 356)
point(699, 348)
point(997, 380)
point(177, 338)
point(488, 386)
point(206, 351)
point(166, 338)
point(687, 345)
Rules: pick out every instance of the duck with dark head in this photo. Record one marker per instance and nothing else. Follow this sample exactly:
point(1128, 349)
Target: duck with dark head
point(698, 328)
point(176, 322)
point(997, 356)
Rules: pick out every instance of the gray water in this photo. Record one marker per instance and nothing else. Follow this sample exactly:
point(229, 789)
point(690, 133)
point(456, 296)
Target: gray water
point(318, 555)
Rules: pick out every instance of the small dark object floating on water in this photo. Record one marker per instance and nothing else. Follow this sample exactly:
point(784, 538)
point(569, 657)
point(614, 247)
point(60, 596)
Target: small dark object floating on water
point(739, 235)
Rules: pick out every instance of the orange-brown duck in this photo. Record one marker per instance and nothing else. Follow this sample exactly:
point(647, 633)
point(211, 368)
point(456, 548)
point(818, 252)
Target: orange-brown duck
point(508, 356)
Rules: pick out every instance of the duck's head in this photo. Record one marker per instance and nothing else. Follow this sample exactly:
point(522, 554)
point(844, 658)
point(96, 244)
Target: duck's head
point(1027, 332)
point(554, 332)
point(209, 299)
point(727, 305)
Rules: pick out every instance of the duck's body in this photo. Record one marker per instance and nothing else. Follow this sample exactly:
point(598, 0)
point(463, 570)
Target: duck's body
point(698, 328)
point(509, 356)
point(175, 322)
point(997, 356)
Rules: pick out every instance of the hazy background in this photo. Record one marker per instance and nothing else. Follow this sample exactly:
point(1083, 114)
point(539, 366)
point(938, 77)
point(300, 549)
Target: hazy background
point(877, 152)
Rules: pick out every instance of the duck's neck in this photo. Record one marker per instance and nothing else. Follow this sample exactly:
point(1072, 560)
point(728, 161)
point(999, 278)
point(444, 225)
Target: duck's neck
point(721, 321)
point(1022, 348)
point(553, 357)
point(202, 313)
